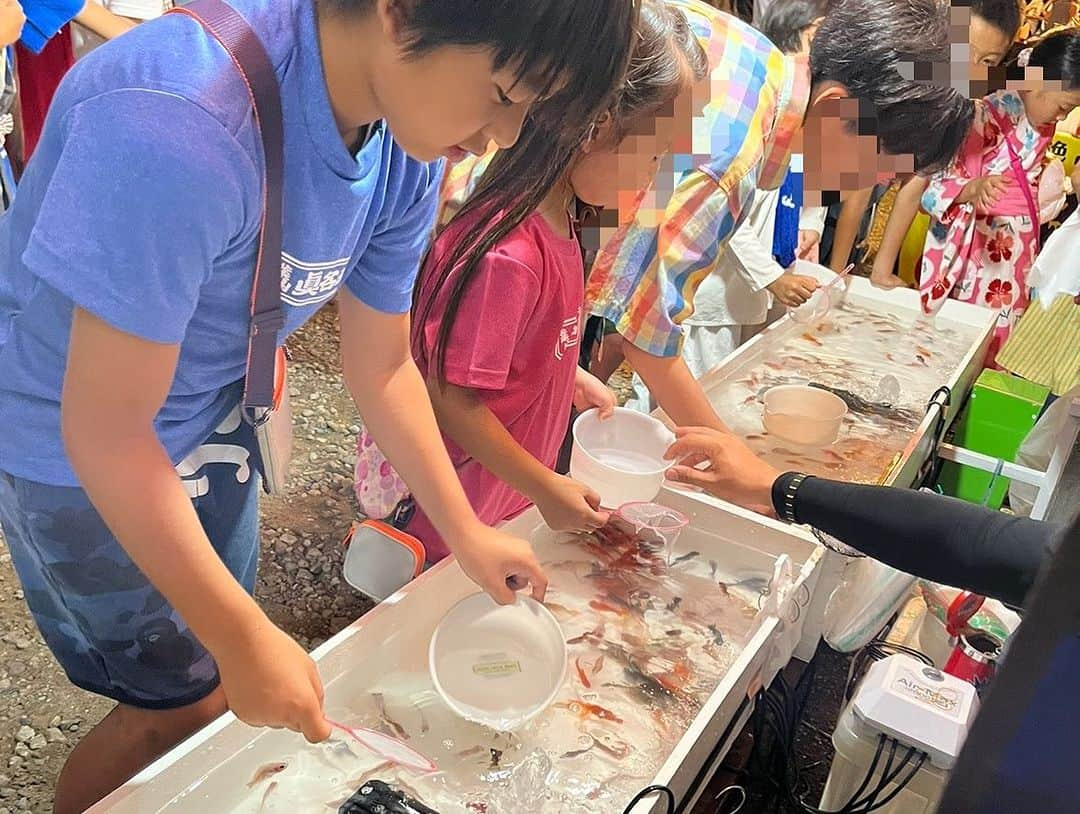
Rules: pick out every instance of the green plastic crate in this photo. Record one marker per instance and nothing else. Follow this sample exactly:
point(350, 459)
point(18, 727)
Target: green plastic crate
point(996, 420)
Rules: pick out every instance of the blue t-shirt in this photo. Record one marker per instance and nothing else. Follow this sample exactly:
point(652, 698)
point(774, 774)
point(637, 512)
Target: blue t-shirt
point(44, 18)
point(786, 230)
point(142, 205)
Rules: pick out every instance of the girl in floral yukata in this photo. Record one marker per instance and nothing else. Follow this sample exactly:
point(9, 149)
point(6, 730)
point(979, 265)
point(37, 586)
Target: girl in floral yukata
point(985, 208)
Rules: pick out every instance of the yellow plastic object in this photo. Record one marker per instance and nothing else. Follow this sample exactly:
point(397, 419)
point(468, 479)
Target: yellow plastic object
point(1065, 147)
point(911, 250)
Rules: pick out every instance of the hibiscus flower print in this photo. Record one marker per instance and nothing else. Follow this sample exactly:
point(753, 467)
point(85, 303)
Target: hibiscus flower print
point(1000, 246)
point(999, 294)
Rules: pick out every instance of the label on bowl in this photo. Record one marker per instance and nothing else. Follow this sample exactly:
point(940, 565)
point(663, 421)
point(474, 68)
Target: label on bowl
point(496, 665)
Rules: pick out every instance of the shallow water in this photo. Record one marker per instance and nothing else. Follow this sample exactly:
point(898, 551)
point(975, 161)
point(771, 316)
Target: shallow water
point(853, 349)
point(648, 645)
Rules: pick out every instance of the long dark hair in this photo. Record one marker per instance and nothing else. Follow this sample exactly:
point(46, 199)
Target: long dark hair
point(666, 54)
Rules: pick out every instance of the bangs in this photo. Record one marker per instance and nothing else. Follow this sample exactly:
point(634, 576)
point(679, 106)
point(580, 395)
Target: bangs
point(571, 53)
point(574, 55)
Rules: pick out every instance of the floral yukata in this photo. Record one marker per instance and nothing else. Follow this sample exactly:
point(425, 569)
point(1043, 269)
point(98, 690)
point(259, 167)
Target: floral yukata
point(980, 256)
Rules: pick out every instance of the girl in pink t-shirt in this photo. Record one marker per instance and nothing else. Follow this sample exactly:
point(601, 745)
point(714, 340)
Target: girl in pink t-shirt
point(496, 324)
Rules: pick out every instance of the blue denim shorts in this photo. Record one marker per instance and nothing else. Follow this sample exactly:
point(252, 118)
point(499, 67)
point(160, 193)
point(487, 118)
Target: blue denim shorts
point(110, 629)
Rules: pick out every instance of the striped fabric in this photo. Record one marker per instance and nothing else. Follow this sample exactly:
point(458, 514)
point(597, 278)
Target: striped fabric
point(645, 277)
point(1044, 347)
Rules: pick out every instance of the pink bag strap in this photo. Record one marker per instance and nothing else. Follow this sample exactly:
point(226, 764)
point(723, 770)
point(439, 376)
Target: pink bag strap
point(1018, 169)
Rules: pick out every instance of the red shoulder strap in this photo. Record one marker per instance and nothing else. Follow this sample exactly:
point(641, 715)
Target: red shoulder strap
point(247, 53)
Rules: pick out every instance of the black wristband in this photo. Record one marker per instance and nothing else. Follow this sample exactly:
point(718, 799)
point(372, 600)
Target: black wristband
point(784, 495)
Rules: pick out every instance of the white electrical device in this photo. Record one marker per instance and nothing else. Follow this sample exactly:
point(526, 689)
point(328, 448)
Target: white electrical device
point(919, 706)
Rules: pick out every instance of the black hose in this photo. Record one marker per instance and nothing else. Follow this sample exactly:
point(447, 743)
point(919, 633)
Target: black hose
point(860, 806)
point(645, 792)
point(869, 774)
point(900, 786)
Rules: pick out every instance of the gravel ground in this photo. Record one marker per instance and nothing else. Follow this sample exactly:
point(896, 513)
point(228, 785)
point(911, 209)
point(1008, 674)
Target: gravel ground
point(42, 716)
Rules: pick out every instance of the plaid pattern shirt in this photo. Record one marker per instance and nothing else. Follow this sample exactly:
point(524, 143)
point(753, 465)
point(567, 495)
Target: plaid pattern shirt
point(645, 276)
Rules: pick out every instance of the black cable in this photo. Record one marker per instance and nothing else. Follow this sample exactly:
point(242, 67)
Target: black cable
point(777, 706)
point(890, 777)
point(878, 649)
point(869, 774)
point(903, 783)
point(860, 806)
point(645, 792)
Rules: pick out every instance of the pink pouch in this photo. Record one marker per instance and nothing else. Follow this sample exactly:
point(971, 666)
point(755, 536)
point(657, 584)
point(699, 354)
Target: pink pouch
point(379, 488)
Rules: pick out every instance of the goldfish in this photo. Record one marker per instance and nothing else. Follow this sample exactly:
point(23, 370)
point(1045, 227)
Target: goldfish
point(608, 741)
point(266, 794)
point(396, 729)
point(582, 677)
point(267, 770)
point(583, 709)
point(605, 607)
point(589, 635)
point(685, 557)
point(813, 340)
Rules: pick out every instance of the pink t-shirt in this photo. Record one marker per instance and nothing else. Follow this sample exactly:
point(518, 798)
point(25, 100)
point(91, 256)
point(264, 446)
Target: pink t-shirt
point(514, 342)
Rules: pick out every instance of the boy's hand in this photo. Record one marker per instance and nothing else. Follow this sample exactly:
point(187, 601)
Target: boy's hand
point(793, 290)
point(984, 192)
point(12, 20)
point(270, 681)
point(589, 392)
point(500, 564)
point(568, 505)
point(809, 245)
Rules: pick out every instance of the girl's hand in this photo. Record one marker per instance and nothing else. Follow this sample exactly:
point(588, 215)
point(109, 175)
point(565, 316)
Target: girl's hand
point(984, 192)
point(722, 465)
point(809, 245)
point(270, 681)
point(568, 505)
point(589, 392)
point(12, 20)
point(500, 564)
point(793, 290)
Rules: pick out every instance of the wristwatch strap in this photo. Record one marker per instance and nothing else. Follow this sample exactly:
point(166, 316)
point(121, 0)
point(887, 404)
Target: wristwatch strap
point(785, 495)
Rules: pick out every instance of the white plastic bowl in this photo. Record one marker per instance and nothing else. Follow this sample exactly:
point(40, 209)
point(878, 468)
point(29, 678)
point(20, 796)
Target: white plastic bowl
point(804, 415)
point(621, 457)
point(498, 665)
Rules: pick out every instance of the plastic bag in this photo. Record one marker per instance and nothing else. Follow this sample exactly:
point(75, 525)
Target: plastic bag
point(868, 594)
point(1036, 450)
point(379, 488)
point(1056, 270)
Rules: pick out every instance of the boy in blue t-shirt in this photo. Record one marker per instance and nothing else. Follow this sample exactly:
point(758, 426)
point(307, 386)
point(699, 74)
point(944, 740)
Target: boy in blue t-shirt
point(126, 267)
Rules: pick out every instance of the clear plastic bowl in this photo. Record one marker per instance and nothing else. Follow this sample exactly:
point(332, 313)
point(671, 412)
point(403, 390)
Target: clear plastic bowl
point(498, 665)
point(621, 457)
point(804, 415)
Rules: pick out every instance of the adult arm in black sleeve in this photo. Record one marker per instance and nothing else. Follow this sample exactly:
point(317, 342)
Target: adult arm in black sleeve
point(927, 535)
